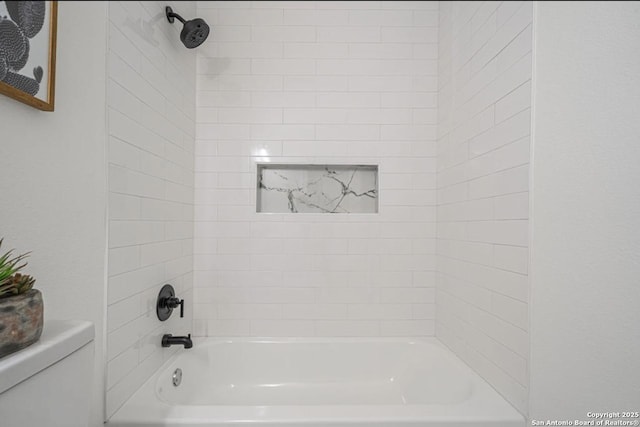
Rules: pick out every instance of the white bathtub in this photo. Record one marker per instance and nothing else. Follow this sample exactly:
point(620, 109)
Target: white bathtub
point(317, 383)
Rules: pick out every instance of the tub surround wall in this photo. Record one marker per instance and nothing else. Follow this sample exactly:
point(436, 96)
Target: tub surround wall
point(319, 83)
point(53, 185)
point(585, 338)
point(151, 126)
point(484, 116)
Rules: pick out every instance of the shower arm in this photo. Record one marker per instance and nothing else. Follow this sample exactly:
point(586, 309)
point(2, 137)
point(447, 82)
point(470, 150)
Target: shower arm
point(171, 15)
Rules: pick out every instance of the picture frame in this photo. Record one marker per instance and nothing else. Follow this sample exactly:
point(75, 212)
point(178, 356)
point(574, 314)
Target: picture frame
point(28, 33)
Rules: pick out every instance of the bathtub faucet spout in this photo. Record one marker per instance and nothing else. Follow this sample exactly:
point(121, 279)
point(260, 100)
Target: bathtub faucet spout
point(168, 340)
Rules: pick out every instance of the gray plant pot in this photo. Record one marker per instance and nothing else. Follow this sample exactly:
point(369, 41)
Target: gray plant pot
point(20, 321)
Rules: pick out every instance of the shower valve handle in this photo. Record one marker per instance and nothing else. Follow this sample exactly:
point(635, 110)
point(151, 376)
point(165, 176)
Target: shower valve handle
point(167, 302)
point(173, 302)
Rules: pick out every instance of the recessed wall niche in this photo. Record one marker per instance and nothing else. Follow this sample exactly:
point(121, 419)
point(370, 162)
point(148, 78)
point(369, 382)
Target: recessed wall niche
point(297, 188)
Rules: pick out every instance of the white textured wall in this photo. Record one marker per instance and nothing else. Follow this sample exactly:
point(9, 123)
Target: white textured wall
point(52, 180)
point(316, 82)
point(484, 113)
point(151, 125)
point(585, 338)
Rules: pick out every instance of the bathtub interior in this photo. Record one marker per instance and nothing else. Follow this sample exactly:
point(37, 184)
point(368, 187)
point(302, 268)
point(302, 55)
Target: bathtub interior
point(314, 382)
point(314, 373)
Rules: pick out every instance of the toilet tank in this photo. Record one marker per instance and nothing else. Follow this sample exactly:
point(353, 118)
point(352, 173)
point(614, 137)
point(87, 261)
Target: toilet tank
point(49, 383)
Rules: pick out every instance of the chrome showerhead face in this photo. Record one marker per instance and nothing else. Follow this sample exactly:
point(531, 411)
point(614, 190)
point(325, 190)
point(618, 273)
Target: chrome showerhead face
point(194, 33)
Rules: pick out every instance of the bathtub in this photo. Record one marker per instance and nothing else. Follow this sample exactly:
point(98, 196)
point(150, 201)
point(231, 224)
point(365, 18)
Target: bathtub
point(316, 383)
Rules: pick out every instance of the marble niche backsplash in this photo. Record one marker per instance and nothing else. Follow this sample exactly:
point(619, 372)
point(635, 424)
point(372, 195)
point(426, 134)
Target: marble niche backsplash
point(317, 188)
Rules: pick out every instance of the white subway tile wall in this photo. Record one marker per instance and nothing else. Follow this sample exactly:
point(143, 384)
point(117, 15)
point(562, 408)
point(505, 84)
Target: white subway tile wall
point(484, 115)
point(151, 124)
point(317, 83)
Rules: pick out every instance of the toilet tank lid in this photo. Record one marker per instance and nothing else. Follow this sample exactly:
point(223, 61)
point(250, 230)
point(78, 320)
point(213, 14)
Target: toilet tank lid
point(59, 339)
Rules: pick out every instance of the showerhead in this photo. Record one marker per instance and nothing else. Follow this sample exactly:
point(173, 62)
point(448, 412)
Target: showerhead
point(194, 32)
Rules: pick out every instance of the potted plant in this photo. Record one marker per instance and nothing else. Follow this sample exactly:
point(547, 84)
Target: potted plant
point(20, 305)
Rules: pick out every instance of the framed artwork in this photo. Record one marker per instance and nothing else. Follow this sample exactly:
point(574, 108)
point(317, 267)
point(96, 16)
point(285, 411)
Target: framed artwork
point(28, 51)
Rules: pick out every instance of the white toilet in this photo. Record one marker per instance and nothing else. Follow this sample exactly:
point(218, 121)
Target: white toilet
point(49, 383)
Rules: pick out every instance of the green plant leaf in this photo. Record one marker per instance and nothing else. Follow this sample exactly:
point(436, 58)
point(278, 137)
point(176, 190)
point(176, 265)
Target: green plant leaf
point(9, 264)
